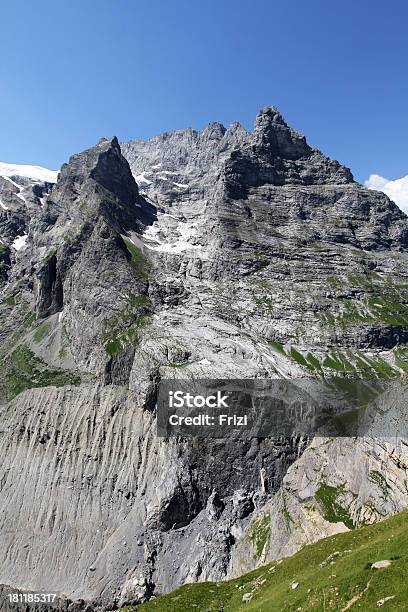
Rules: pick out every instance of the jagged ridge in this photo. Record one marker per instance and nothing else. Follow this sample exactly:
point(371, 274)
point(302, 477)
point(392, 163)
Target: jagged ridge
point(241, 255)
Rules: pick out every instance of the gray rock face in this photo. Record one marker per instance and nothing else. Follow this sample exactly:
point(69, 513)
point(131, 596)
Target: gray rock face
point(213, 254)
point(361, 479)
point(20, 199)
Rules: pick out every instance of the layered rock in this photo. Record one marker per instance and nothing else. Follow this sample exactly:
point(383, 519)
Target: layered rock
point(338, 483)
point(239, 255)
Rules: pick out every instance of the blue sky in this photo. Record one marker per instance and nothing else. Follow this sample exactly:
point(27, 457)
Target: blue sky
point(74, 71)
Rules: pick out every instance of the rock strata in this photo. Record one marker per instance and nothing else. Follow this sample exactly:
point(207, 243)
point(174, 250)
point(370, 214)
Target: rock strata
point(214, 254)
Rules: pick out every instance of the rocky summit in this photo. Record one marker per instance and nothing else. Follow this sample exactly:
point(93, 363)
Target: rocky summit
point(194, 255)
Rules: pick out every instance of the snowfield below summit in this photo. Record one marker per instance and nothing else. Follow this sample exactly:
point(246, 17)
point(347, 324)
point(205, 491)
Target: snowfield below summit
point(20, 242)
point(37, 173)
point(171, 237)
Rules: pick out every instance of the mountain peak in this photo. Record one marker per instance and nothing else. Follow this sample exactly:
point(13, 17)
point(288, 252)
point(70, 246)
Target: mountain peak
point(214, 129)
point(271, 113)
point(251, 256)
point(107, 143)
point(272, 132)
point(104, 164)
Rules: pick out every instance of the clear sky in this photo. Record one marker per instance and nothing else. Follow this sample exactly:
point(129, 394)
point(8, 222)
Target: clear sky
point(72, 71)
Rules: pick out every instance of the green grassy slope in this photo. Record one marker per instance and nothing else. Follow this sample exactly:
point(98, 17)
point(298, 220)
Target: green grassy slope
point(333, 574)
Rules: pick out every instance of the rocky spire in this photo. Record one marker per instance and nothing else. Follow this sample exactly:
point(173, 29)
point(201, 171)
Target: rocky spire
point(95, 200)
point(272, 133)
point(98, 182)
point(214, 131)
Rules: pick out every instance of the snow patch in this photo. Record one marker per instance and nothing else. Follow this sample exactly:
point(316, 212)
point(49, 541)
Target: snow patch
point(170, 239)
point(37, 173)
point(19, 187)
point(7, 178)
point(151, 234)
point(20, 242)
point(182, 185)
point(141, 180)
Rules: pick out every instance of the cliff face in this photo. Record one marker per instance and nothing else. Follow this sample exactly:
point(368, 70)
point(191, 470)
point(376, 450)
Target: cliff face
point(208, 254)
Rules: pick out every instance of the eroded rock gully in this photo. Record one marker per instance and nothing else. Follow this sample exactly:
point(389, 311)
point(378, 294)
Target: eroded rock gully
point(210, 254)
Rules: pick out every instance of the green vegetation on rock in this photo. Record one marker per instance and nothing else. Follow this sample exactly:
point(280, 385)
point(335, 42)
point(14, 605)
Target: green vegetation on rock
point(42, 331)
point(332, 510)
point(285, 512)
point(50, 254)
point(259, 533)
point(298, 357)
point(380, 481)
point(140, 264)
point(355, 364)
point(22, 370)
point(10, 300)
point(23, 318)
point(401, 358)
point(123, 330)
point(265, 304)
point(277, 346)
point(383, 299)
point(333, 574)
